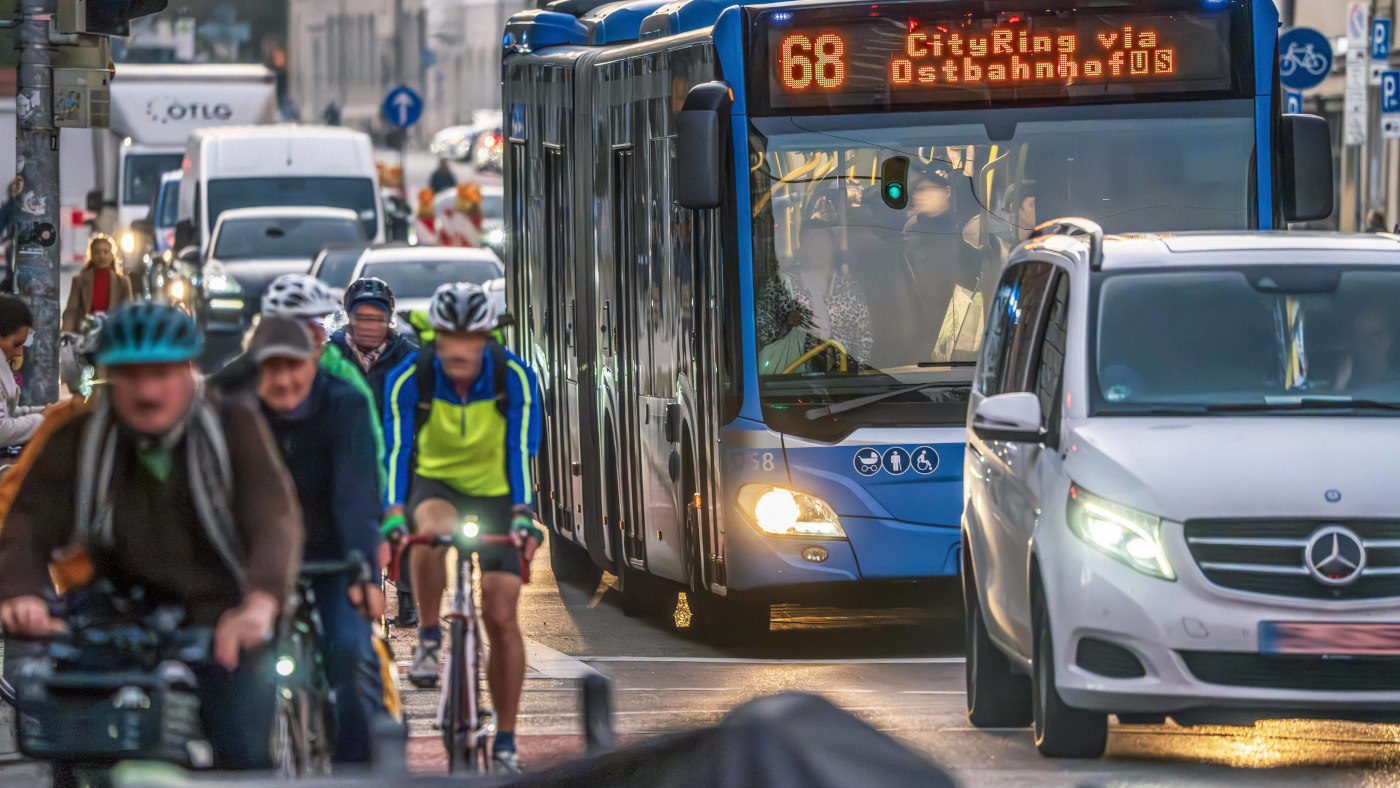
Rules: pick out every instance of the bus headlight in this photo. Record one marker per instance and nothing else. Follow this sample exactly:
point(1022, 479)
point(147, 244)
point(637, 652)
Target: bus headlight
point(778, 511)
point(128, 242)
point(1126, 535)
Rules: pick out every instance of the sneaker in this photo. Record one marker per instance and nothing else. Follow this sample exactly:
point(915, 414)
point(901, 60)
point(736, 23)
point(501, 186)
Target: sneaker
point(505, 762)
point(424, 672)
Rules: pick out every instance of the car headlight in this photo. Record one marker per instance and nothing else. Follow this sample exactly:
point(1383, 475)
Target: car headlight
point(219, 281)
point(781, 512)
point(177, 290)
point(128, 242)
point(1126, 535)
point(495, 236)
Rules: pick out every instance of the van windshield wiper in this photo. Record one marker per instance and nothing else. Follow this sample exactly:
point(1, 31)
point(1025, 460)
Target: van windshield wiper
point(860, 402)
point(1301, 403)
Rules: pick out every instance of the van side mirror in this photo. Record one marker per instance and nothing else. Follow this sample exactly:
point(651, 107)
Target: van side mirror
point(701, 137)
point(1009, 417)
point(144, 226)
point(184, 234)
point(1305, 154)
point(94, 201)
point(189, 255)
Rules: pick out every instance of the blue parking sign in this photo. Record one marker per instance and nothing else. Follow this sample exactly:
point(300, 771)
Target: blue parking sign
point(1292, 102)
point(1390, 91)
point(1380, 39)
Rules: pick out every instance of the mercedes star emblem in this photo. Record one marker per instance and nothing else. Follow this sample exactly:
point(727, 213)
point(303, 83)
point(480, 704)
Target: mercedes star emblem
point(1335, 556)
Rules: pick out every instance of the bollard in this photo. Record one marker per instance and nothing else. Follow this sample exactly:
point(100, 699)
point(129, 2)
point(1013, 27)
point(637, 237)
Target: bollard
point(597, 714)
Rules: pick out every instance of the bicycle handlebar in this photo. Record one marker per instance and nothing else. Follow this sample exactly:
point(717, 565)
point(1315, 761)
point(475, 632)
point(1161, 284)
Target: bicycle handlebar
point(352, 563)
point(399, 540)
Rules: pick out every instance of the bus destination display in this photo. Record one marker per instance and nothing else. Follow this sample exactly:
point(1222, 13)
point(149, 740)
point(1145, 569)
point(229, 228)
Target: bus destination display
point(919, 58)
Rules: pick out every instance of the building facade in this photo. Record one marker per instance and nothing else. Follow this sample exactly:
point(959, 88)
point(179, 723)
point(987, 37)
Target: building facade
point(345, 55)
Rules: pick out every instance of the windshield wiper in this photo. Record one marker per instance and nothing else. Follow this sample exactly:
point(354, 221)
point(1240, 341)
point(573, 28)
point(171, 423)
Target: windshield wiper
point(860, 402)
point(1305, 403)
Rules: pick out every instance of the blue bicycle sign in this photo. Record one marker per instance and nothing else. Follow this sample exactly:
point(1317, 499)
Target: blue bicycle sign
point(1305, 58)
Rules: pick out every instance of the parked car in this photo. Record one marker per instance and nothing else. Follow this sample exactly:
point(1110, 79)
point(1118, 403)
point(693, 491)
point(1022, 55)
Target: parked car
point(1180, 483)
point(252, 246)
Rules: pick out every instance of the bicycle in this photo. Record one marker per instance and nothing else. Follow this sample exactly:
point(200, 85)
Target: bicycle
point(466, 727)
point(304, 737)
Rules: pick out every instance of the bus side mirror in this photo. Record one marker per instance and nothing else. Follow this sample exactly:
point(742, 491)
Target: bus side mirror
point(1305, 154)
point(700, 145)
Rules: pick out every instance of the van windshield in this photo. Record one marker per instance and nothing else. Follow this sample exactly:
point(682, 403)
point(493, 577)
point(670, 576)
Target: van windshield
point(1248, 339)
point(282, 237)
point(357, 194)
point(143, 174)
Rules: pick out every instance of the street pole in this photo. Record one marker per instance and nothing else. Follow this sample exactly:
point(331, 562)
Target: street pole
point(36, 224)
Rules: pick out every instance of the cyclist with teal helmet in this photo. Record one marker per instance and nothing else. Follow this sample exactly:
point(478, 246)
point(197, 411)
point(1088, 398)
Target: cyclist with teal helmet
point(179, 497)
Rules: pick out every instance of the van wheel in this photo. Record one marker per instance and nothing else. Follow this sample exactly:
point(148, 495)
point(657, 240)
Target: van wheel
point(997, 696)
point(1061, 731)
point(571, 564)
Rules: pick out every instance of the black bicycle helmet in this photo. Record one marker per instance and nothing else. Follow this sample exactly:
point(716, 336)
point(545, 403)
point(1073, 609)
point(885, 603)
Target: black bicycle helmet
point(370, 289)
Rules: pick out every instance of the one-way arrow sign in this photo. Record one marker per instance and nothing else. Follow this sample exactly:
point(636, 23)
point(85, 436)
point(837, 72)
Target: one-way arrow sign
point(402, 107)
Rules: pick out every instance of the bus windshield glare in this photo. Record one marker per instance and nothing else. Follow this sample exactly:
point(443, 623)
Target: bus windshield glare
point(853, 296)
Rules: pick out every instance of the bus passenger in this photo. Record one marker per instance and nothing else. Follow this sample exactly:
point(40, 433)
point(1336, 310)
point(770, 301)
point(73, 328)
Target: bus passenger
point(933, 248)
point(789, 302)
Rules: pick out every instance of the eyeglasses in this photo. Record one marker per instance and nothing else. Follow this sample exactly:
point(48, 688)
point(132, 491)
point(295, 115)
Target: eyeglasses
point(369, 320)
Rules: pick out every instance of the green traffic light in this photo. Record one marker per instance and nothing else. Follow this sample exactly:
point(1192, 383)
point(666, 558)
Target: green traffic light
point(894, 190)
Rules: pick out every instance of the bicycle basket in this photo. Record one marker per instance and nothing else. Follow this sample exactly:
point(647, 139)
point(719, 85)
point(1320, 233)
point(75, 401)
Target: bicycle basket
point(108, 717)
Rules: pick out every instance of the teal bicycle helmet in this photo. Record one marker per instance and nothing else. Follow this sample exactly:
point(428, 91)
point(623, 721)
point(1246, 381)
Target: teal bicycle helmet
point(148, 333)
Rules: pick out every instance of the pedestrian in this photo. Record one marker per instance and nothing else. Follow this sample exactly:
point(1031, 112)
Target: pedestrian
point(442, 178)
point(17, 422)
point(100, 287)
point(1375, 221)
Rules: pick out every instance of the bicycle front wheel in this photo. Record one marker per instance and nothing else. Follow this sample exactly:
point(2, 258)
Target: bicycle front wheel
point(454, 720)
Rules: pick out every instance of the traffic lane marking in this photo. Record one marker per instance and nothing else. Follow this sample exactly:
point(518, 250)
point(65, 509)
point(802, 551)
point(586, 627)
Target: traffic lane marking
point(761, 661)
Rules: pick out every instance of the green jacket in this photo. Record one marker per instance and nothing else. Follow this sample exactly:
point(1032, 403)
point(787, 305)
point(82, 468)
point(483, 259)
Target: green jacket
point(333, 360)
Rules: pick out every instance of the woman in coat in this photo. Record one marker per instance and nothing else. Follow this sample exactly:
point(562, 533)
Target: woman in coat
point(98, 288)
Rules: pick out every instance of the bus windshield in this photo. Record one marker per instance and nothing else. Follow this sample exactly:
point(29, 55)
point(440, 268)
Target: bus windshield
point(854, 296)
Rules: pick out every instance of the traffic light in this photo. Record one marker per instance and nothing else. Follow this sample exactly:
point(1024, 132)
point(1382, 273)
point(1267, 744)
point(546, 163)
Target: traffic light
point(103, 17)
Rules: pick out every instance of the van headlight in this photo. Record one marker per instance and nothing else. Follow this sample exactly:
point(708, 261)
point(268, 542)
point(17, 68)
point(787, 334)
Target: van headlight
point(781, 512)
point(1120, 532)
point(128, 242)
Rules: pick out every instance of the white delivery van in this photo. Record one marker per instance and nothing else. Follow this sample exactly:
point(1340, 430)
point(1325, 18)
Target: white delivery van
point(286, 164)
point(154, 110)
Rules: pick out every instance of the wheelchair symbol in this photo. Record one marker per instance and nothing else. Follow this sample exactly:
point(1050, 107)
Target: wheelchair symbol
point(925, 461)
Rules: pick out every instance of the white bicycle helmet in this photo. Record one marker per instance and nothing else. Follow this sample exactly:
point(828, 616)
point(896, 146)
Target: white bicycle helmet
point(463, 307)
point(299, 295)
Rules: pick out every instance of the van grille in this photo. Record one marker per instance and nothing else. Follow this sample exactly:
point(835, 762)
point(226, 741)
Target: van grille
point(1275, 671)
point(1267, 557)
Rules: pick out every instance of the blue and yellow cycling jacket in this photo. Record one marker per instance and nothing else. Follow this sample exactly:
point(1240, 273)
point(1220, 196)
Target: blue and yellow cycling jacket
point(466, 444)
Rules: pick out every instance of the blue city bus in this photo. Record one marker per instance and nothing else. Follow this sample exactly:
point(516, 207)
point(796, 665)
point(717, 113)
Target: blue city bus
point(751, 248)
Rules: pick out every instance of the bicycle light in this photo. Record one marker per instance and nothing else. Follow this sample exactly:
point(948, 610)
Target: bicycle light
point(286, 666)
point(470, 529)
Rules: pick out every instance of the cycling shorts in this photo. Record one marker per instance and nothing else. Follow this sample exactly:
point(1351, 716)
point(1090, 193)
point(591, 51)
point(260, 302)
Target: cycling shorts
point(493, 516)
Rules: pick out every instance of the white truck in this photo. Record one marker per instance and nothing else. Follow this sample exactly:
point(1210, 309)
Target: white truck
point(155, 108)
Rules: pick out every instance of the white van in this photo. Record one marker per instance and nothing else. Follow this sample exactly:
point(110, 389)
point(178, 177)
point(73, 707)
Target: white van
point(265, 166)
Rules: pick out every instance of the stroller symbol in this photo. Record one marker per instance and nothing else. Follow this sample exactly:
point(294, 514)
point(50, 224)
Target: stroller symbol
point(925, 460)
point(867, 462)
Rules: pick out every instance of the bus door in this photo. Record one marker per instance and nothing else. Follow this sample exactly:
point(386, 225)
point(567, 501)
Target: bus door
point(562, 304)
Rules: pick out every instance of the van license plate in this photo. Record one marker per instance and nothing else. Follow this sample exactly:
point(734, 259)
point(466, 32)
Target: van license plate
point(1313, 637)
